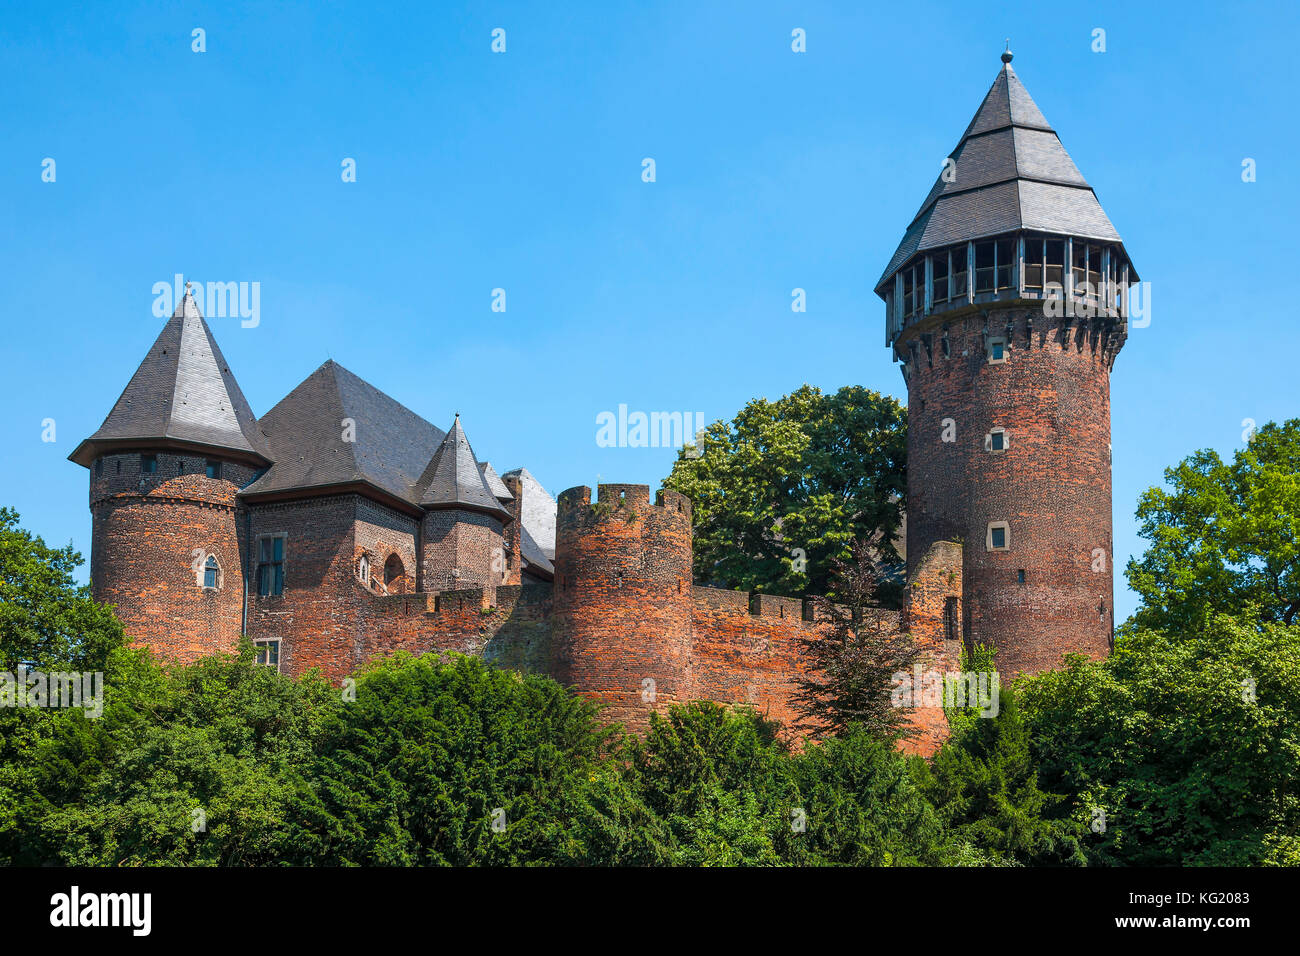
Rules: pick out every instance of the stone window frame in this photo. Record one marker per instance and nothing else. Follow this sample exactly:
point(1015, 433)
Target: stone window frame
point(998, 340)
point(272, 650)
point(283, 562)
point(1005, 528)
point(363, 568)
point(1005, 438)
point(212, 563)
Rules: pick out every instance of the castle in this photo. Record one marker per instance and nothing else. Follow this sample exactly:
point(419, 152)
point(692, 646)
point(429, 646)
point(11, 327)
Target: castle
point(341, 525)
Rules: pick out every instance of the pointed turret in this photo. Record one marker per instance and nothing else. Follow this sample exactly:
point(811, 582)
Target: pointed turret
point(980, 235)
point(1006, 304)
point(453, 479)
point(183, 396)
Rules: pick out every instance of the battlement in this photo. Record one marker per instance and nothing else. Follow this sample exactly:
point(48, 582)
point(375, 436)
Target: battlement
point(612, 498)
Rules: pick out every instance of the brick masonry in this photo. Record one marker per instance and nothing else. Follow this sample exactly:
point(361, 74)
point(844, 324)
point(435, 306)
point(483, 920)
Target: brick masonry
point(1051, 484)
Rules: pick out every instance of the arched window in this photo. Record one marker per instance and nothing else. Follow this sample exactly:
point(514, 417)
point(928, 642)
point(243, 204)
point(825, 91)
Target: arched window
point(363, 569)
point(211, 573)
point(394, 572)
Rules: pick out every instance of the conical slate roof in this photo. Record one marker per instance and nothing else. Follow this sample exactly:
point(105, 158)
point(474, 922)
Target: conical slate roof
point(453, 479)
point(337, 429)
point(183, 392)
point(1011, 172)
point(494, 482)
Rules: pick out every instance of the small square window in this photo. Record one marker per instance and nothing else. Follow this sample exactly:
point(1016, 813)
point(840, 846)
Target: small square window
point(148, 464)
point(999, 536)
point(996, 440)
point(997, 349)
point(213, 469)
point(268, 653)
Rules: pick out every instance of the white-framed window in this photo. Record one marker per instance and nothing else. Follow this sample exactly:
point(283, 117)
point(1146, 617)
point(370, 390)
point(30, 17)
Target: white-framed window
point(268, 653)
point(211, 573)
point(999, 536)
point(996, 440)
point(363, 569)
point(997, 349)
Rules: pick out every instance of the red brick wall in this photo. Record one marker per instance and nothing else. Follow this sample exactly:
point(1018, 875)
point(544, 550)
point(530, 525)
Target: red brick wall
point(1051, 484)
point(145, 530)
point(938, 579)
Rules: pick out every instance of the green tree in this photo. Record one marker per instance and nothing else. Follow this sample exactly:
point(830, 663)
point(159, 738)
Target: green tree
point(47, 621)
point(447, 761)
point(1180, 748)
point(224, 737)
point(809, 471)
point(1224, 537)
point(984, 784)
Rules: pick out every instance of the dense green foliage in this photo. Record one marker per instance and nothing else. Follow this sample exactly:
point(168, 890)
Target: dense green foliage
point(1225, 537)
point(808, 471)
point(1188, 743)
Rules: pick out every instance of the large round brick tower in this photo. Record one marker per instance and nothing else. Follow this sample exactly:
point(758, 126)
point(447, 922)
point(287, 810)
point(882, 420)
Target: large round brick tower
point(1006, 304)
point(623, 599)
point(167, 541)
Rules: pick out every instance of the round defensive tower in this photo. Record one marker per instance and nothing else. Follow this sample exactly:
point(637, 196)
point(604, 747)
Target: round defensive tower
point(167, 548)
point(623, 599)
point(1006, 304)
point(167, 543)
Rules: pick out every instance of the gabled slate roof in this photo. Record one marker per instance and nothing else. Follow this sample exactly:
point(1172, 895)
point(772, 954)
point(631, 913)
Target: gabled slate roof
point(308, 432)
point(184, 392)
point(494, 483)
point(1011, 173)
point(453, 479)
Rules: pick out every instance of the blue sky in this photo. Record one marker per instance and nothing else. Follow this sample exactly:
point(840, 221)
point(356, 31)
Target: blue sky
point(522, 171)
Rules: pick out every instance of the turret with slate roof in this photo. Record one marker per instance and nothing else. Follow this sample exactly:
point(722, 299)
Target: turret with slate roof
point(181, 397)
point(1007, 214)
point(464, 530)
point(1006, 304)
point(166, 467)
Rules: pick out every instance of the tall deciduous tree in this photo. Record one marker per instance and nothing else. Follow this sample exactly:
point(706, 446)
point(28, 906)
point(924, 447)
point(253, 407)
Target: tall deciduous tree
point(1225, 536)
point(786, 486)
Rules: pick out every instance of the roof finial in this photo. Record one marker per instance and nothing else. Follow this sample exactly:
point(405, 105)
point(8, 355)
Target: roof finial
point(1007, 54)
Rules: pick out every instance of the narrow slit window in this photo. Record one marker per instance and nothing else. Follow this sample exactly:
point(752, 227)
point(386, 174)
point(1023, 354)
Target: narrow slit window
point(1005, 257)
point(985, 259)
point(958, 271)
point(1034, 264)
point(940, 266)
